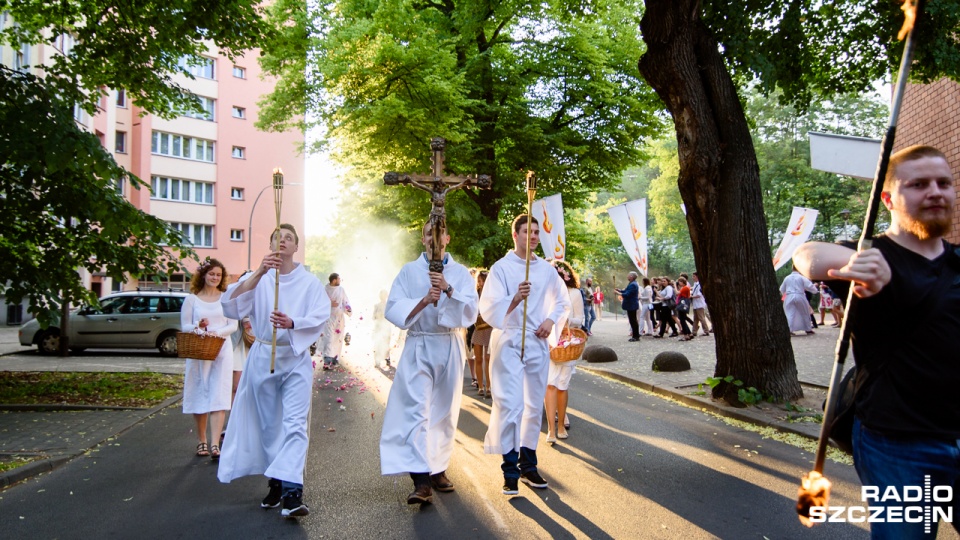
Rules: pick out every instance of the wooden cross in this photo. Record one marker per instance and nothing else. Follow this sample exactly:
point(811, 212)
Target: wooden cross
point(438, 185)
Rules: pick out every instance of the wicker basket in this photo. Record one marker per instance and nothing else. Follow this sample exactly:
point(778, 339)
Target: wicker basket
point(573, 352)
point(198, 346)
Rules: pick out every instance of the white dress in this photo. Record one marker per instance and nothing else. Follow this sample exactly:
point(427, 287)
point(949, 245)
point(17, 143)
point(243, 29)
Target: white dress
point(561, 372)
point(331, 340)
point(207, 385)
point(795, 305)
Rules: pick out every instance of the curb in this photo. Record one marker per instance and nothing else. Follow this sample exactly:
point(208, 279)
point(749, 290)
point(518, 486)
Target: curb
point(743, 415)
point(40, 466)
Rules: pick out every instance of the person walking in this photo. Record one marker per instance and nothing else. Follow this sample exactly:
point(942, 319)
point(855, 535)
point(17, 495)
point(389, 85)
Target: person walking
point(558, 380)
point(906, 430)
point(668, 300)
point(207, 384)
point(331, 340)
point(598, 303)
point(481, 344)
point(631, 304)
point(586, 293)
point(699, 305)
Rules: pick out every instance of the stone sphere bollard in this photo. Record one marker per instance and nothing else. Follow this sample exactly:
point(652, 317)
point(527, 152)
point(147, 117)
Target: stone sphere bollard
point(599, 353)
point(671, 361)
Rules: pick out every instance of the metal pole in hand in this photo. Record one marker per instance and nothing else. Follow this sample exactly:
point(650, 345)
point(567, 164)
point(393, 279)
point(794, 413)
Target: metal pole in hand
point(531, 193)
point(814, 487)
point(277, 204)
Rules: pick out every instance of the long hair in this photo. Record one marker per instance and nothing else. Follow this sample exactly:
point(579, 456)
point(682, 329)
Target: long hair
point(574, 281)
point(199, 278)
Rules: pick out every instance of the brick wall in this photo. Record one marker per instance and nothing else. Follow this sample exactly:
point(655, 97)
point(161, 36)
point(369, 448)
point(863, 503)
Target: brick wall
point(931, 115)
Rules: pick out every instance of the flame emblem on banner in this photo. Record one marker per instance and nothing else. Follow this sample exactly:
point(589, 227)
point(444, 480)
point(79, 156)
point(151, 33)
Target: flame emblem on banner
point(560, 249)
point(547, 226)
point(799, 228)
point(637, 233)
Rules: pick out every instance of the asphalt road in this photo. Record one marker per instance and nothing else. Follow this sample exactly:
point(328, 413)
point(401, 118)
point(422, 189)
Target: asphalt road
point(635, 466)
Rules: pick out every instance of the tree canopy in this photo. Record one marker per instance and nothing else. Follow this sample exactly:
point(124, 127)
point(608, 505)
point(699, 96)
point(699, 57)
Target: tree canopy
point(60, 192)
point(515, 86)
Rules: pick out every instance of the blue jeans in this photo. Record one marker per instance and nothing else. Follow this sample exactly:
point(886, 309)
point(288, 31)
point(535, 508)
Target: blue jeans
point(588, 317)
point(291, 489)
point(883, 461)
point(515, 463)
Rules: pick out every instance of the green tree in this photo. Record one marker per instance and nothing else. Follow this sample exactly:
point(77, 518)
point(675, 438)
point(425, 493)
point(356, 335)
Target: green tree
point(61, 208)
point(698, 54)
point(512, 86)
point(58, 190)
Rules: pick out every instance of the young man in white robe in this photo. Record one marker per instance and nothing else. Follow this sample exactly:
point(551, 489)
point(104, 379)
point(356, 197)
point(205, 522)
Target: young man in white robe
point(331, 339)
point(424, 402)
point(519, 377)
point(795, 304)
point(268, 432)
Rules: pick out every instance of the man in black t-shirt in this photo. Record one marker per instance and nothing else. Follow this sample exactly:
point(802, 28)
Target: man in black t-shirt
point(907, 427)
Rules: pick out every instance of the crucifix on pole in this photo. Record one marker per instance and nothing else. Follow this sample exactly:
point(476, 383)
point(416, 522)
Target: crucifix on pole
point(438, 185)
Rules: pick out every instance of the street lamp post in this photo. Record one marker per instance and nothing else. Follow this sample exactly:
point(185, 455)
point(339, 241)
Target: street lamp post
point(250, 224)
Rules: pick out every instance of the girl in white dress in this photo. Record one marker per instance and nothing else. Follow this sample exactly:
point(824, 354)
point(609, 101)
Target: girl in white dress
point(207, 384)
point(558, 379)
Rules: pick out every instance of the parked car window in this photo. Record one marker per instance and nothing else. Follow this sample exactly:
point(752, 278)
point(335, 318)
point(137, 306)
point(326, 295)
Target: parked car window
point(173, 304)
point(113, 305)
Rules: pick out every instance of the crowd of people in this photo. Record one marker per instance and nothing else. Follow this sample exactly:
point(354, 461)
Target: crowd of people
point(907, 424)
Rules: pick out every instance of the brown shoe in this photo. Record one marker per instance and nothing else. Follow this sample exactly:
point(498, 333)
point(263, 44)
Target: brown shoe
point(422, 495)
point(440, 482)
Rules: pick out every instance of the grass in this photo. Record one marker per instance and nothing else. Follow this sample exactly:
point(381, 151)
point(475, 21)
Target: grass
point(8, 463)
point(104, 389)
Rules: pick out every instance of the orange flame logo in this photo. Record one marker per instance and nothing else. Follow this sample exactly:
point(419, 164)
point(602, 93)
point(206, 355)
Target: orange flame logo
point(637, 233)
point(547, 226)
point(798, 229)
point(560, 249)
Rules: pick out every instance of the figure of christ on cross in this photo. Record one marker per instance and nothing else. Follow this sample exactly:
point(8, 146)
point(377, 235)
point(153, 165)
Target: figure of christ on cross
point(438, 186)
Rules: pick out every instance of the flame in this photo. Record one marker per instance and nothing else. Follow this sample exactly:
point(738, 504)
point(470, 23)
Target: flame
point(561, 247)
point(909, 18)
point(776, 258)
point(637, 233)
point(547, 226)
point(798, 229)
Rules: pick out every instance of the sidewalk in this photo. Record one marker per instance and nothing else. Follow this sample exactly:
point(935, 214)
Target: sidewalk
point(57, 435)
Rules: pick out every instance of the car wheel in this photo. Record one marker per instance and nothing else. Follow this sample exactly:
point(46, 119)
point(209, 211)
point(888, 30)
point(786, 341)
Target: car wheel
point(168, 344)
point(48, 342)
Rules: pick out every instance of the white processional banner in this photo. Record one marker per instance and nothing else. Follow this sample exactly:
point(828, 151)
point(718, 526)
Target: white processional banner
point(549, 212)
point(798, 232)
point(630, 221)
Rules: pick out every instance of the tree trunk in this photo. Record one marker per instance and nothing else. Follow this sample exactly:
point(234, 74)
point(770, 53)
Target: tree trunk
point(719, 182)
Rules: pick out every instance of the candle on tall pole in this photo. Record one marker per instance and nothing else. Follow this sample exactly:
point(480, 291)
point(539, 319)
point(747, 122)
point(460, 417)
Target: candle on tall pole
point(531, 193)
point(277, 204)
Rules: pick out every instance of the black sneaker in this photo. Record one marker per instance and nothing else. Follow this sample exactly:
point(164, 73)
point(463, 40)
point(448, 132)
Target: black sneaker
point(293, 507)
point(533, 479)
point(272, 500)
point(510, 486)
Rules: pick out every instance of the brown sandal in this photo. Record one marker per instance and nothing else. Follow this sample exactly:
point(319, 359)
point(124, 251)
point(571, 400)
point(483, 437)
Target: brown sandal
point(214, 452)
point(203, 450)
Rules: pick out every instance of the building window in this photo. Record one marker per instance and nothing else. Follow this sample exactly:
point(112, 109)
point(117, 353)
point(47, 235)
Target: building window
point(201, 66)
point(239, 152)
point(118, 185)
point(239, 112)
point(120, 146)
point(236, 235)
point(21, 61)
point(239, 72)
point(207, 104)
point(236, 193)
point(179, 146)
point(177, 189)
point(122, 98)
point(194, 234)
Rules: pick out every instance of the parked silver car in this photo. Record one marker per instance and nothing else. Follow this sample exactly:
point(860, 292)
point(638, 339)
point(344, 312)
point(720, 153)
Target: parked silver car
point(126, 320)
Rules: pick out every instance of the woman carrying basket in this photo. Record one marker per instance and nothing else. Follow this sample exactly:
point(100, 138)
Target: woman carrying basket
point(558, 380)
point(207, 385)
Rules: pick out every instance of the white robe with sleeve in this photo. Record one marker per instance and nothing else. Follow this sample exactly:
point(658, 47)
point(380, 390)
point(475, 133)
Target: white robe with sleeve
point(207, 385)
point(519, 387)
point(424, 403)
point(795, 304)
point(331, 339)
point(267, 433)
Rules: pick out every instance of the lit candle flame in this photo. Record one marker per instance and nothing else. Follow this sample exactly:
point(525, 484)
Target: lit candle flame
point(909, 17)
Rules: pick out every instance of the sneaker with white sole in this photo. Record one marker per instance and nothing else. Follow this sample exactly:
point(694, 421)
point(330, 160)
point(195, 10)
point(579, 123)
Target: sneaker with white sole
point(293, 507)
point(533, 479)
point(510, 486)
point(274, 497)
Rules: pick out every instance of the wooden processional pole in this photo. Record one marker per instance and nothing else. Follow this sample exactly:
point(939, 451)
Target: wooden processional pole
point(277, 204)
point(531, 193)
